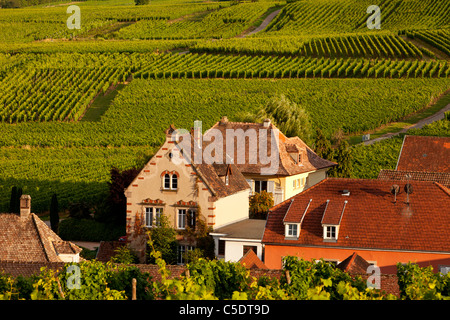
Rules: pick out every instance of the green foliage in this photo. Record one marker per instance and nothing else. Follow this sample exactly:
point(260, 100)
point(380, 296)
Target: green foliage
point(124, 255)
point(343, 157)
point(223, 278)
point(93, 284)
point(418, 283)
point(121, 280)
point(141, 2)
point(291, 118)
point(54, 213)
point(163, 240)
point(259, 204)
point(89, 230)
point(368, 160)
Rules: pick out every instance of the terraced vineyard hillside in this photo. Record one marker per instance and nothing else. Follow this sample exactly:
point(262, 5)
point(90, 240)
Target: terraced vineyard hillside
point(176, 61)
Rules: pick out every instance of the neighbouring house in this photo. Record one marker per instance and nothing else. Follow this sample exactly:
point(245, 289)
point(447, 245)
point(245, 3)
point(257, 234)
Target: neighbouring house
point(183, 191)
point(233, 241)
point(381, 223)
point(424, 154)
point(295, 166)
point(423, 159)
point(26, 238)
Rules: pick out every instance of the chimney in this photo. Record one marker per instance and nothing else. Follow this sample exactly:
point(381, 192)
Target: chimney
point(25, 206)
point(266, 123)
point(224, 120)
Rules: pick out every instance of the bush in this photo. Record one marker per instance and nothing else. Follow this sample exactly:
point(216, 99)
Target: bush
point(89, 230)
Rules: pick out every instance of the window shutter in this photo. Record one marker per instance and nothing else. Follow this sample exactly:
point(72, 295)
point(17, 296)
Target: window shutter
point(271, 187)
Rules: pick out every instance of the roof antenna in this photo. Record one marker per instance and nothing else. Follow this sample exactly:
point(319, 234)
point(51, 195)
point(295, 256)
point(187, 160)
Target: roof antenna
point(408, 188)
point(395, 189)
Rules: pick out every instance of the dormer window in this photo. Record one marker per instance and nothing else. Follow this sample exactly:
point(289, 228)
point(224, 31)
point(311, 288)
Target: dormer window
point(330, 233)
point(292, 231)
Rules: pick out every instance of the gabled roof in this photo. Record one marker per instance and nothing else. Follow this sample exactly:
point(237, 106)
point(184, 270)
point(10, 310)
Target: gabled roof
point(354, 264)
point(251, 261)
point(430, 154)
point(371, 219)
point(286, 164)
point(30, 239)
point(213, 175)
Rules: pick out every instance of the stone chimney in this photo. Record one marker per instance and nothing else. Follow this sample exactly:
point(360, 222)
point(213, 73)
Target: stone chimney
point(25, 206)
point(266, 123)
point(224, 120)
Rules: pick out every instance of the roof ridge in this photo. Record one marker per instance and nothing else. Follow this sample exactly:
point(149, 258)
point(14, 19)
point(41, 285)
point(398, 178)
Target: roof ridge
point(443, 188)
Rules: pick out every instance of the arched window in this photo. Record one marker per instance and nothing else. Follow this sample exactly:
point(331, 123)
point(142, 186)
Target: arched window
point(174, 182)
point(169, 180)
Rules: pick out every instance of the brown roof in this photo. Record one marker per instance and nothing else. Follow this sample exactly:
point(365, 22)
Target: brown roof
point(213, 174)
point(371, 219)
point(30, 239)
point(354, 264)
point(107, 250)
point(251, 261)
point(441, 177)
point(430, 154)
point(286, 164)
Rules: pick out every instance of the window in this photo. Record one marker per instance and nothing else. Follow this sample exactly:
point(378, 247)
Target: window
point(182, 249)
point(247, 248)
point(149, 216)
point(221, 248)
point(260, 185)
point(170, 181)
point(292, 230)
point(191, 218)
point(181, 218)
point(166, 181)
point(330, 232)
point(174, 182)
point(153, 216)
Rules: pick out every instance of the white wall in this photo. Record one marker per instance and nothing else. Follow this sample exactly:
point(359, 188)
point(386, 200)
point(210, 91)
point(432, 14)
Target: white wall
point(234, 249)
point(231, 209)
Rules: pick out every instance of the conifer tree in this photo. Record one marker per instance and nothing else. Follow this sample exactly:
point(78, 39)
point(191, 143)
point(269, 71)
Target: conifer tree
point(54, 213)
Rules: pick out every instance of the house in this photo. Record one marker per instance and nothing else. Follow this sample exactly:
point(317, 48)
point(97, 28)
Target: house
point(269, 160)
point(423, 159)
point(233, 241)
point(424, 154)
point(174, 185)
point(26, 238)
point(382, 223)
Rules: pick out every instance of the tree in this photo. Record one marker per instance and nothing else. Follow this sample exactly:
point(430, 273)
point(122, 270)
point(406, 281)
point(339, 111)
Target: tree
point(164, 240)
point(323, 146)
point(141, 2)
point(13, 200)
point(291, 118)
point(54, 213)
point(117, 202)
point(344, 160)
point(260, 203)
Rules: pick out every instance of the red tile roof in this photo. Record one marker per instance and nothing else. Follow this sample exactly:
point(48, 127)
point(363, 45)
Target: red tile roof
point(251, 261)
point(371, 219)
point(431, 154)
point(354, 264)
point(441, 177)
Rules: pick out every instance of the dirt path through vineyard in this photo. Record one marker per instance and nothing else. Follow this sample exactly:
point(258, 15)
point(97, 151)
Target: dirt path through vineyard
point(264, 24)
point(435, 117)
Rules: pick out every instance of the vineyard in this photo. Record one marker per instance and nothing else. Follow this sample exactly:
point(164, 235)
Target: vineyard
point(178, 61)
